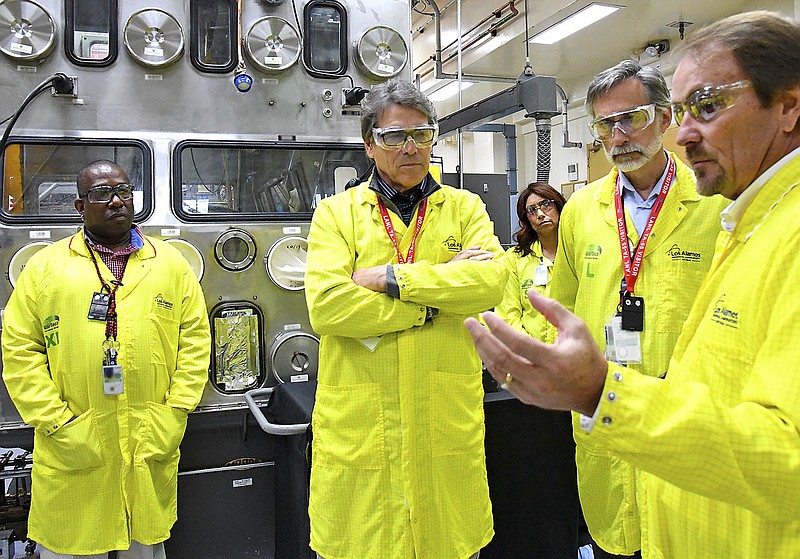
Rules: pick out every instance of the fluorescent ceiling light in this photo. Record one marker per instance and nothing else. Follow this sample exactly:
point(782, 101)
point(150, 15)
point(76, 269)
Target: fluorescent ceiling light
point(577, 21)
point(448, 91)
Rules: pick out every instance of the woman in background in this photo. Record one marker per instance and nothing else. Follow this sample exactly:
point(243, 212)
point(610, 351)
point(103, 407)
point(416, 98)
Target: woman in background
point(529, 262)
point(545, 509)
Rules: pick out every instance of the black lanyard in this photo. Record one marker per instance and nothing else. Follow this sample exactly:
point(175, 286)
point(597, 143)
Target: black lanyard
point(111, 317)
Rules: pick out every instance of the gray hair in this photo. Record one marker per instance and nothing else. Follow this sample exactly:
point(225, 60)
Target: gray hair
point(765, 44)
point(651, 78)
point(392, 92)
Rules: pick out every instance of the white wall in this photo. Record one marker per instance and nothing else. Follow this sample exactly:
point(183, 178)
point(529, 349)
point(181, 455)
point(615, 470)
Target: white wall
point(483, 153)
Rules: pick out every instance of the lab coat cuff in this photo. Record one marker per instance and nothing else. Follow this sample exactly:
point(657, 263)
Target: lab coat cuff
point(609, 395)
point(65, 417)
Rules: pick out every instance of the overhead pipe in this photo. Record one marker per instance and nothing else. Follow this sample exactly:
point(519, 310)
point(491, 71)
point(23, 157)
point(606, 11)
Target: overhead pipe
point(565, 142)
point(493, 15)
point(492, 30)
point(439, 73)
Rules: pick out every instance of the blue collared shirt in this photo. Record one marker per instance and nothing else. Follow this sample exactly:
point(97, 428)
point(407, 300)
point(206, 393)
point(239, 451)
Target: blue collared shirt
point(638, 207)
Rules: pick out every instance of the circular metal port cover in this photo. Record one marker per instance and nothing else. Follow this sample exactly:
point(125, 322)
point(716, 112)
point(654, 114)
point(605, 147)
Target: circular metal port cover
point(273, 44)
point(27, 31)
point(381, 52)
point(153, 38)
point(294, 357)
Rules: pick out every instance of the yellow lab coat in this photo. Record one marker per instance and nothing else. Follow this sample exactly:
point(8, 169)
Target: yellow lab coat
point(586, 279)
point(398, 467)
point(516, 308)
point(718, 439)
point(110, 474)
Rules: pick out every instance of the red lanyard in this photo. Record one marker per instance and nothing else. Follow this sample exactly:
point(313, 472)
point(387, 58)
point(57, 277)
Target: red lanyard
point(632, 268)
point(387, 224)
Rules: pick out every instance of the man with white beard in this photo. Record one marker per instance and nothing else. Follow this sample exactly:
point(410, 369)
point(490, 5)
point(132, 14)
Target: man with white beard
point(634, 247)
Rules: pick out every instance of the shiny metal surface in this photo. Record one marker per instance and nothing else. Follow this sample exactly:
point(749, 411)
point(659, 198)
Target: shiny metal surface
point(235, 250)
point(273, 44)
point(381, 52)
point(153, 38)
point(166, 105)
point(27, 30)
point(294, 357)
point(129, 97)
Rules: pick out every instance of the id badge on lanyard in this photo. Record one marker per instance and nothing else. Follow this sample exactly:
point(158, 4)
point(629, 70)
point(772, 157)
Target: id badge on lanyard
point(631, 308)
point(622, 346)
point(112, 373)
point(103, 307)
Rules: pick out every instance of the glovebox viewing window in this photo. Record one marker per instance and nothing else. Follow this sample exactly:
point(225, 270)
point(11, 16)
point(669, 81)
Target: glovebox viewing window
point(264, 180)
point(39, 177)
point(325, 38)
point(91, 32)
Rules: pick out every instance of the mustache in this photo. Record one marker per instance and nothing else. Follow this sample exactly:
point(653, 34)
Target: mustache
point(622, 150)
point(695, 153)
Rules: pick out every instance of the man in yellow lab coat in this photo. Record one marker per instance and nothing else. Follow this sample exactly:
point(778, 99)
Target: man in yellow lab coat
point(105, 352)
point(665, 222)
point(717, 439)
point(394, 267)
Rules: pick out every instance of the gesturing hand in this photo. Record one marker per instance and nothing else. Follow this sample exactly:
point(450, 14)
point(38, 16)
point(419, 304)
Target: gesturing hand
point(567, 375)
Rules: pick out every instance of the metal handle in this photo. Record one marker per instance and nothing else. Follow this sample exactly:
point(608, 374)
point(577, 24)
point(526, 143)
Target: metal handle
point(271, 428)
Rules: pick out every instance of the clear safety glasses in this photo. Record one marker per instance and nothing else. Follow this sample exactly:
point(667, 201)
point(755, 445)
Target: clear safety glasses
point(628, 121)
point(105, 193)
point(706, 103)
point(395, 138)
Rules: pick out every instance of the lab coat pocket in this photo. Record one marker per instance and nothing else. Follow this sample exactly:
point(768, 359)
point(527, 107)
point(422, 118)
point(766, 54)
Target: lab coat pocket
point(161, 433)
point(75, 446)
point(349, 426)
point(456, 413)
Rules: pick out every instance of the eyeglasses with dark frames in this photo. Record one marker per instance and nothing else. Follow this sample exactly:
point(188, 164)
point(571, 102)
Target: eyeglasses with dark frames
point(706, 103)
point(105, 193)
point(544, 205)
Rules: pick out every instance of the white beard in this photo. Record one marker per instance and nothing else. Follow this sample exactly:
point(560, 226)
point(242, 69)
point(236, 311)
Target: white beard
point(645, 155)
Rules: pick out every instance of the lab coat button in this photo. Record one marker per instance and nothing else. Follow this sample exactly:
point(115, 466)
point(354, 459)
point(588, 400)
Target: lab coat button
point(617, 377)
point(607, 420)
point(611, 396)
